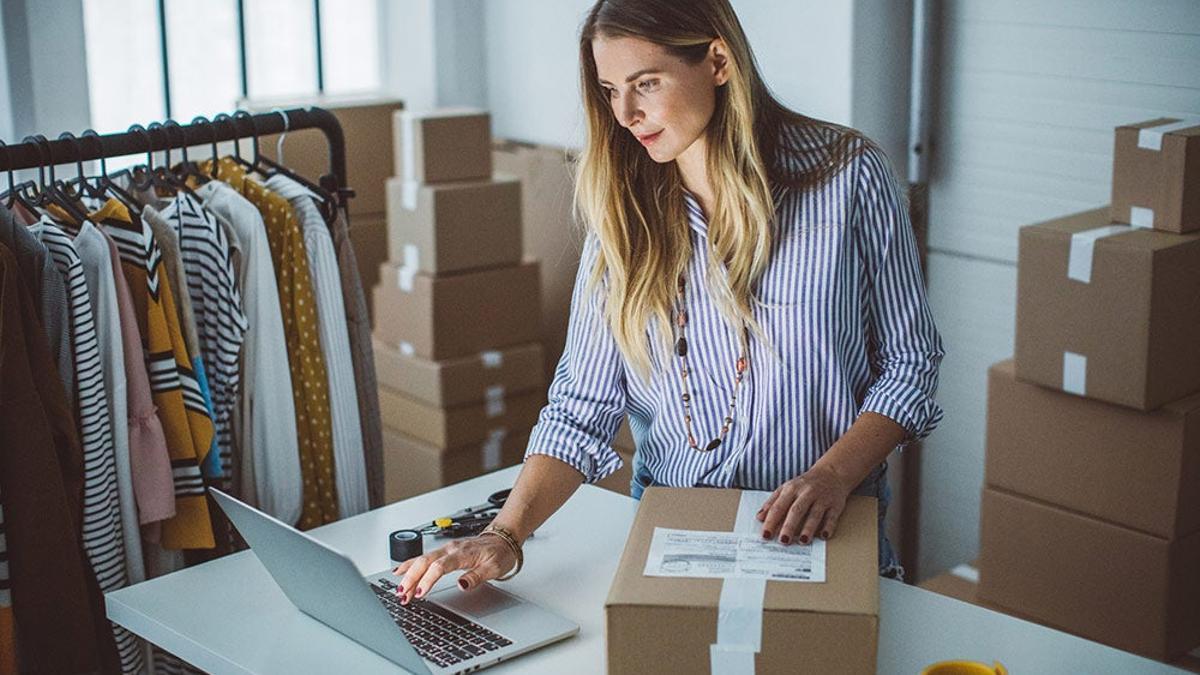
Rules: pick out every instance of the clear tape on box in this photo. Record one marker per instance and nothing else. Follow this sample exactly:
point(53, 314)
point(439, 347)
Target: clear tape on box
point(740, 607)
point(1150, 138)
point(408, 268)
point(494, 401)
point(1074, 373)
point(490, 451)
point(491, 358)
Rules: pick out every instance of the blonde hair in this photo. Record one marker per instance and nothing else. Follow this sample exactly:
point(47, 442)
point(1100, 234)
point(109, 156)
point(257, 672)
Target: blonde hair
point(635, 206)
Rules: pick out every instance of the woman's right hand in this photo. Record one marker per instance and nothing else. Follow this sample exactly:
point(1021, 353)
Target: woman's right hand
point(483, 557)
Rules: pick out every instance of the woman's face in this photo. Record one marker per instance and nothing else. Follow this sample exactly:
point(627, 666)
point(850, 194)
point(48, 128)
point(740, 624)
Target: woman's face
point(663, 101)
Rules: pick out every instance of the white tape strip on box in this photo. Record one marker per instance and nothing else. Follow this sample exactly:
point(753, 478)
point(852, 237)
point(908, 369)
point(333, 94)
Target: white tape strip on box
point(1083, 244)
point(492, 358)
point(968, 572)
point(740, 608)
point(494, 398)
point(409, 191)
point(1150, 138)
point(1074, 373)
point(489, 452)
point(407, 349)
point(1140, 216)
point(408, 269)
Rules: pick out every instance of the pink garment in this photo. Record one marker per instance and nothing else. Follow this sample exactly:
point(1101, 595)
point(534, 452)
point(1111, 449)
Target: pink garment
point(149, 463)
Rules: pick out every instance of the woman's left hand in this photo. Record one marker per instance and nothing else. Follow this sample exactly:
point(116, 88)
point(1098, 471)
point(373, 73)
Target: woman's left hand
point(805, 507)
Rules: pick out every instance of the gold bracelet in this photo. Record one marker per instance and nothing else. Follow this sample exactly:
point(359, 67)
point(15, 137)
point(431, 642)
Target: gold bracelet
point(509, 539)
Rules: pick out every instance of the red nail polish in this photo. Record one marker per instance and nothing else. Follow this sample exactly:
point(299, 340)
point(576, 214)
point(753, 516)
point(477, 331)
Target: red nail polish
point(785, 539)
point(766, 534)
point(418, 593)
point(825, 535)
point(804, 539)
point(462, 583)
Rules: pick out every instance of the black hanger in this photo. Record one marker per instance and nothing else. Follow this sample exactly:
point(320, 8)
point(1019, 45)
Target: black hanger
point(212, 128)
point(140, 176)
point(186, 168)
point(237, 145)
point(14, 190)
point(49, 191)
point(104, 184)
point(176, 175)
point(66, 189)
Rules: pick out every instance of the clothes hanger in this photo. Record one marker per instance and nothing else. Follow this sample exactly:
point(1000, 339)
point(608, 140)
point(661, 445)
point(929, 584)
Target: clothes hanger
point(104, 185)
point(212, 128)
point(325, 201)
point(237, 142)
point(166, 171)
point(48, 193)
point(73, 189)
point(186, 168)
point(13, 193)
point(140, 177)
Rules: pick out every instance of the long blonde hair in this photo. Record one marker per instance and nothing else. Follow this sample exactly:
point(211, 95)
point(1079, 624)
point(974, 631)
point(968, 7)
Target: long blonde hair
point(635, 206)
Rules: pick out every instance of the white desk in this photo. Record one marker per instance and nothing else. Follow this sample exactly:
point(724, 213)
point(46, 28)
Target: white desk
point(227, 616)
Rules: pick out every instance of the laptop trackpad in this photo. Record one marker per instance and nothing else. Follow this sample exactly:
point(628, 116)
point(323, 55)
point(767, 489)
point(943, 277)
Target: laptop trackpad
point(481, 601)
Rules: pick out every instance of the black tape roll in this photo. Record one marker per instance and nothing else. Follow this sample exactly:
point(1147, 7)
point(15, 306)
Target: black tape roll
point(405, 544)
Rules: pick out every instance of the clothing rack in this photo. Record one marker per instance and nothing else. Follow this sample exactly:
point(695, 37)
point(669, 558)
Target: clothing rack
point(200, 132)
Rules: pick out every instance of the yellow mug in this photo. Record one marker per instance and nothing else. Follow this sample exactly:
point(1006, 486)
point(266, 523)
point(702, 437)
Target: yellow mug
point(965, 668)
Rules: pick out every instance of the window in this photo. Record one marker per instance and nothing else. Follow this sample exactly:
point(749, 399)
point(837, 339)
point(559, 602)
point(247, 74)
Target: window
point(216, 51)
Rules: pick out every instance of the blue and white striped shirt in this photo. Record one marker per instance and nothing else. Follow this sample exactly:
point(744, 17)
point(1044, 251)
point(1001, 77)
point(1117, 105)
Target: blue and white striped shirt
point(843, 302)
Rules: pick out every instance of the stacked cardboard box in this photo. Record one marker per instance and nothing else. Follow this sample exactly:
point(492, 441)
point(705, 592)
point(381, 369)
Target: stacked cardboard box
point(1091, 508)
point(456, 310)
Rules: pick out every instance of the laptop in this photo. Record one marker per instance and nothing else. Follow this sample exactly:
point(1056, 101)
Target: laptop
point(449, 631)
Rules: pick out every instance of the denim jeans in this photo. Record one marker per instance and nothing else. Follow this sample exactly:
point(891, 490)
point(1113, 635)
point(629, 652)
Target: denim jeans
point(874, 485)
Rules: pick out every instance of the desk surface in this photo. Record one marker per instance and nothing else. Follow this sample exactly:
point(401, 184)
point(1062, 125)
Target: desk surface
point(228, 616)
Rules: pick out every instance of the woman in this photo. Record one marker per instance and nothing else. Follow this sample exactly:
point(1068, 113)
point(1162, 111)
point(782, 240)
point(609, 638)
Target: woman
point(749, 293)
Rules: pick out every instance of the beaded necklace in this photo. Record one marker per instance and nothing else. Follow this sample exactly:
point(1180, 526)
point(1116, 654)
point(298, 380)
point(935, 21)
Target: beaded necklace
point(681, 350)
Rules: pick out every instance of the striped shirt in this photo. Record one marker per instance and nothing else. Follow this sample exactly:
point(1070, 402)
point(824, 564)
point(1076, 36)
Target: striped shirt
point(102, 540)
point(217, 307)
point(841, 300)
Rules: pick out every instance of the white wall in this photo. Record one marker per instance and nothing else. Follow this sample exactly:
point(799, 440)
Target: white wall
point(1029, 95)
point(46, 73)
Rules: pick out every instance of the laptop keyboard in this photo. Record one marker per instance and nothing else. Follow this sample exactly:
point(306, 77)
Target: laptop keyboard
point(438, 634)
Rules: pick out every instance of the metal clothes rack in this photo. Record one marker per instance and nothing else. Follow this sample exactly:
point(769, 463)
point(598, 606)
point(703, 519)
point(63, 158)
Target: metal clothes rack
point(31, 155)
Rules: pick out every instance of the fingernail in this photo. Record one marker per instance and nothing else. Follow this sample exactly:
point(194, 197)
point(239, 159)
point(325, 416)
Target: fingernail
point(462, 583)
point(825, 534)
point(396, 571)
point(418, 593)
point(766, 534)
point(804, 539)
point(785, 539)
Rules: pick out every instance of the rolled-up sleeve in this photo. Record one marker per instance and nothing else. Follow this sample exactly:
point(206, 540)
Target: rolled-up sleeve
point(586, 400)
point(906, 349)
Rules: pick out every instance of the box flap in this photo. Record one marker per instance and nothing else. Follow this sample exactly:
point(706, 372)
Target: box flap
point(1142, 239)
point(852, 580)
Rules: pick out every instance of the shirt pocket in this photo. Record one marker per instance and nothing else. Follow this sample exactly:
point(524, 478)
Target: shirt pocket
point(805, 267)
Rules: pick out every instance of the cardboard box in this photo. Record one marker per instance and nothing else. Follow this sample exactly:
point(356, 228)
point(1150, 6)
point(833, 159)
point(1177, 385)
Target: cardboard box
point(1107, 583)
point(619, 481)
point(444, 317)
point(368, 237)
point(1112, 318)
point(474, 379)
point(450, 227)
point(960, 583)
point(442, 145)
point(829, 627)
point(1156, 174)
point(366, 121)
point(1136, 469)
point(463, 425)
point(412, 467)
point(551, 233)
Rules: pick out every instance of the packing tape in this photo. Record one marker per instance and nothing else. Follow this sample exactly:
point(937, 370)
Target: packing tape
point(740, 608)
point(968, 572)
point(1083, 244)
point(489, 452)
point(409, 191)
point(1074, 373)
point(406, 348)
point(491, 358)
point(1150, 138)
point(408, 136)
point(408, 269)
point(1140, 216)
point(494, 396)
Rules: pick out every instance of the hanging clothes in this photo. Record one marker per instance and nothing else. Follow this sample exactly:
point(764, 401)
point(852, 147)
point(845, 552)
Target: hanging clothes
point(41, 488)
point(217, 308)
point(348, 462)
point(102, 539)
point(185, 420)
point(362, 352)
point(310, 383)
point(47, 288)
point(268, 471)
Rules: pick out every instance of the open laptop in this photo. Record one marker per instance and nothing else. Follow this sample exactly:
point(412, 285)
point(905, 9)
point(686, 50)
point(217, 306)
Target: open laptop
point(449, 631)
